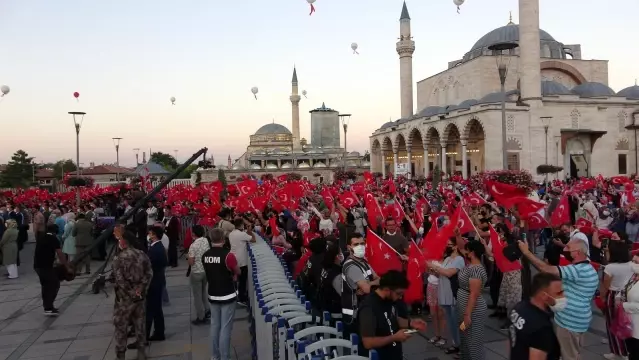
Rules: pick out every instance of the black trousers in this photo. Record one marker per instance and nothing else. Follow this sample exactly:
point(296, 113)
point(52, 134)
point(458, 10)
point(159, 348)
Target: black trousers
point(242, 289)
point(50, 286)
point(154, 313)
point(173, 253)
point(495, 284)
point(632, 345)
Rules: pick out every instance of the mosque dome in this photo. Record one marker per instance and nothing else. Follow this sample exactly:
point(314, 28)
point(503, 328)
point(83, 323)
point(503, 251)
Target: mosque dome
point(287, 165)
point(303, 165)
point(549, 87)
point(237, 167)
point(510, 34)
point(592, 89)
point(497, 97)
point(366, 163)
point(631, 92)
point(271, 166)
point(273, 128)
point(319, 165)
point(354, 154)
point(466, 104)
point(387, 125)
point(255, 167)
point(431, 110)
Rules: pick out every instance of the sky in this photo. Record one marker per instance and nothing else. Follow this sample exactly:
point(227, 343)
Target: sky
point(128, 58)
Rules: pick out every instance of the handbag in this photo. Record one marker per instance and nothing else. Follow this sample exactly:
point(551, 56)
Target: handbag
point(621, 325)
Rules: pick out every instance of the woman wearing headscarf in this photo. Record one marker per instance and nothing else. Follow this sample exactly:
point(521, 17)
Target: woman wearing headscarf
point(68, 240)
point(9, 248)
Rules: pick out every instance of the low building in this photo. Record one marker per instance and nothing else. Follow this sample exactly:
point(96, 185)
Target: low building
point(102, 173)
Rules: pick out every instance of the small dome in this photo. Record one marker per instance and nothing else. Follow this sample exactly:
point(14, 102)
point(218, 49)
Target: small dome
point(237, 167)
point(351, 163)
point(271, 166)
point(549, 87)
point(303, 165)
point(496, 97)
point(388, 125)
point(466, 104)
point(287, 166)
point(366, 163)
point(354, 154)
point(255, 167)
point(592, 89)
point(273, 128)
point(631, 92)
point(319, 165)
point(431, 110)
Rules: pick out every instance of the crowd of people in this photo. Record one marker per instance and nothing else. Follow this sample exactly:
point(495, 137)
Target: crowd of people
point(378, 254)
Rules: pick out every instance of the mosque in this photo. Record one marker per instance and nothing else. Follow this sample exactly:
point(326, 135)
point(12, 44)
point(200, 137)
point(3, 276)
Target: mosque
point(554, 108)
point(275, 150)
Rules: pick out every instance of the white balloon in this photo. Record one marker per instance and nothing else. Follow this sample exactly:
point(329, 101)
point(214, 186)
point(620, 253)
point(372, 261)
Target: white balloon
point(458, 3)
point(172, 100)
point(254, 90)
point(354, 46)
point(304, 93)
point(310, 1)
point(4, 89)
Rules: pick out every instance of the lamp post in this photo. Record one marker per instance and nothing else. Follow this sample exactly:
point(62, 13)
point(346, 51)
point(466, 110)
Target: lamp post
point(502, 52)
point(78, 118)
point(345, 119)
point(116, 142)
point(546, 121)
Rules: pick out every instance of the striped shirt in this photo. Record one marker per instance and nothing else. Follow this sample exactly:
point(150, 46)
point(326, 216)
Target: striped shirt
point(580, 281)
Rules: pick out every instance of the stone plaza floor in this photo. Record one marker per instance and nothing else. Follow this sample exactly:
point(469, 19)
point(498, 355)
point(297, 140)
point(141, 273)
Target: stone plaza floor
point(84, 329)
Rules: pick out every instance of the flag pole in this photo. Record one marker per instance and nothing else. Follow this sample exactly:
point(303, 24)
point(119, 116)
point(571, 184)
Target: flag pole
point(385, 243)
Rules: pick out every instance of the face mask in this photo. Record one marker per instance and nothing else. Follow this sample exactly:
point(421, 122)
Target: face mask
point(359, 251)
point(560, 304)
point(568, 256)
point(148, 239)
point(606, 213)
point(634, 267)
point(448, 252)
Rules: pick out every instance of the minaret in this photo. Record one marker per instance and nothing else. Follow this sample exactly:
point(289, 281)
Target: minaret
point(229, 161)
point(295, 115)
point(529, 52)
point(405, 49)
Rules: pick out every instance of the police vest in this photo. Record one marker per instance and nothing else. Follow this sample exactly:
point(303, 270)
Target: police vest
point(349, 295)
point(219, 277)
point(329, 299)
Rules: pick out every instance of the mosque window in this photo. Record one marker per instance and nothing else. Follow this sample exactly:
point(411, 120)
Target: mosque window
point(510, 123)
point(622, 164)
point(622, 121)
point(574, 119)
point(513, 161)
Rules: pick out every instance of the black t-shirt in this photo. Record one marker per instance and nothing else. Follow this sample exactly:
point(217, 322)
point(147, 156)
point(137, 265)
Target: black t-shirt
point(45, 251)
point(378, 318)
point(531, 328)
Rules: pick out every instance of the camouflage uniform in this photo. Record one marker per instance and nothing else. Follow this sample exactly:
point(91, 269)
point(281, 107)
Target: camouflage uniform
point(132, 272)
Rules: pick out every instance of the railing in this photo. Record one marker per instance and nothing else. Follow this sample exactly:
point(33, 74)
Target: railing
point(283, 325)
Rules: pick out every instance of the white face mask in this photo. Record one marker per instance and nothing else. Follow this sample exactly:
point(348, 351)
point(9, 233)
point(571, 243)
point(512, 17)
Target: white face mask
point(359, 251)
point(560, 304)
point(606, 213)
point(634, 267)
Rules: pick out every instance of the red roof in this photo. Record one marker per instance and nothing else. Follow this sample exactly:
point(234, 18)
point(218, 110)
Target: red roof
point(106, 170)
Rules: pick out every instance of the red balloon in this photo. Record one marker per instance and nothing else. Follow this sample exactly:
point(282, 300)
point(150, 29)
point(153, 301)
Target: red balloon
point(76, 94)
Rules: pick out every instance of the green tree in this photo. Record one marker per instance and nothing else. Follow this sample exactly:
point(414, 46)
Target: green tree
point(166, 160)
point(63, 166)
point(367, 156)
point(186, 174)
point(19, 172)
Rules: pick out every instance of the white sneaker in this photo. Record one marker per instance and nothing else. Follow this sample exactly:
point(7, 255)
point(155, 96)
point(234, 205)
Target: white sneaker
point(611, 356)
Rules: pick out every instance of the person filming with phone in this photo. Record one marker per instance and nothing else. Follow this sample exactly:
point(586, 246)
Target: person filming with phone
point(381, 327)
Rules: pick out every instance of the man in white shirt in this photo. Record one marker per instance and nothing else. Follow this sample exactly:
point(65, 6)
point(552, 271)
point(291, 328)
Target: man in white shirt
point(151, 214)
point(198, 276)
point(239, 238)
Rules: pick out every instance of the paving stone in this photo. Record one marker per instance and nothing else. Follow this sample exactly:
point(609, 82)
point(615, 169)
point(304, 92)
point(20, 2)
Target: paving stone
point(46, 350)
point(96, 343)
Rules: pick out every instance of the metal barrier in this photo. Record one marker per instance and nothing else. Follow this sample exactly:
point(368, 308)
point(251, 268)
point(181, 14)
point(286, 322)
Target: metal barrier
point(283, 325)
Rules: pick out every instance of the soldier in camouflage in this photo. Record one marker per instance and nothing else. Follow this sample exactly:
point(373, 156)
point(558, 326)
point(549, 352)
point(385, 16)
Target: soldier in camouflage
point(131, 276)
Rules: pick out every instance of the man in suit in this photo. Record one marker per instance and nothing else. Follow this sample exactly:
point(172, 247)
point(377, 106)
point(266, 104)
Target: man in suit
point(172, 230)
point(83, 234)
point(154, 313)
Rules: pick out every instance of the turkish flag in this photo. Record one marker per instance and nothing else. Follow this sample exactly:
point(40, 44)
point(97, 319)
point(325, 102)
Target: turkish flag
point(501, 192)
point(415, 268)
point(247, 187)
point(373, 211)
point(328, 198)
point(348, 199)
point(434, 243)
point(525, 206)
point(272, 223)
point(620, 180)
point(419, 210)
point(474, 200)
point(359, 188)
point(368, 177)
point(282, 178)
point(502, 263)
point(464, 223)
point(561, 215)
point(381, 256)
point(395, 211)
point(537, 222)
point(301, 264)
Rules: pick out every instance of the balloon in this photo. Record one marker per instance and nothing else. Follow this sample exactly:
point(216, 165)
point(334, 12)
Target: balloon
point(310, 2)
point(354, 47)
point(172, 100)
point(304, 93)
point(4, 89)
point(458, 3)
point(254, 90)
point(76, 95)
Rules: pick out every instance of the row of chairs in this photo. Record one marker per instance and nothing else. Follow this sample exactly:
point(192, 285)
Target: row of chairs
point(283, 325)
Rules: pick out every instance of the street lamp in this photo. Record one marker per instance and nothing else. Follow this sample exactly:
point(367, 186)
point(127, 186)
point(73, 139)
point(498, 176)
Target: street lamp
point(78, 118)
point(116, 142)
point(502, 52)
point(345, 119)
point(546, 121)
point(137, 156)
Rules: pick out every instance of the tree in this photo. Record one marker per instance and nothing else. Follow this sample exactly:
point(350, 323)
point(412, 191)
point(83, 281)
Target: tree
point(186, 174)
point(166, 160)
point(19, 171)
point(63, 166)
point(367, 156)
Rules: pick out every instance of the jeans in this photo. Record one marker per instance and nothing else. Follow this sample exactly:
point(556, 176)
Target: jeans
point(222, 316)
point(50, 285)
point(199, 288)
point(450, 311)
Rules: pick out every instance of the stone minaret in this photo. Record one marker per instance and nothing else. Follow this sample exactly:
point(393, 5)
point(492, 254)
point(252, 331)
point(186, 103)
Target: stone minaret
point(405, 49)
point(529, 52)
point(295, 115)
point(229, 161)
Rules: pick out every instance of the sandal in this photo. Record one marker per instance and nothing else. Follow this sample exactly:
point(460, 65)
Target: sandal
point(452, 350)
point(441, 342)
point(434, 339)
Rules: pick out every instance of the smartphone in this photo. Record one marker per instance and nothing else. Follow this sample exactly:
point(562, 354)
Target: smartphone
point(410, 331)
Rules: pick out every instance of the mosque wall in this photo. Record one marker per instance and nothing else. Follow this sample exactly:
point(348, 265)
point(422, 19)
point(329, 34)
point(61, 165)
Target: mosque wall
point(559, 77)
point(592, 70)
